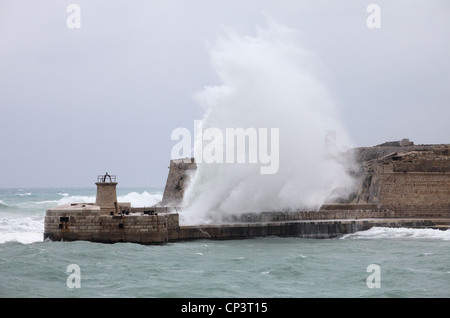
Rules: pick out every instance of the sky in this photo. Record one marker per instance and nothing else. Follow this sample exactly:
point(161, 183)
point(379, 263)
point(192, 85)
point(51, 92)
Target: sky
point(105, 97)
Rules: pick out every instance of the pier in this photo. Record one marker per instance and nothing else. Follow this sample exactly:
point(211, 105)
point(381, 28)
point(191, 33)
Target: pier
point(400, 185)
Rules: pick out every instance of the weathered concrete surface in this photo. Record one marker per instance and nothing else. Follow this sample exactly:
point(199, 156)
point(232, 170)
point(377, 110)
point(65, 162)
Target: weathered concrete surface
point(333, 212)
point(305, 229)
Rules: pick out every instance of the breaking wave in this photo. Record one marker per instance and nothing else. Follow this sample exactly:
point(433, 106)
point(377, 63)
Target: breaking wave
point(141, 199)
point(269, 81)
point(399, 233)
point(135, 198)
point(68, 199)
point(25, 230)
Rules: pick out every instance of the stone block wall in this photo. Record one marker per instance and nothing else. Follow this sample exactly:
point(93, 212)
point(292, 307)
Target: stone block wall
point(180, 173)
point(107, 197)
point(70, 224)
point(415, 183)
point(423, 193)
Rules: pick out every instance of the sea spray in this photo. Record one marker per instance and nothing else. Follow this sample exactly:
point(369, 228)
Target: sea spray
point(269, 81)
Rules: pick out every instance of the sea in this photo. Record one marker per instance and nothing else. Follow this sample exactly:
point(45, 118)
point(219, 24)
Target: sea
point(377, 263)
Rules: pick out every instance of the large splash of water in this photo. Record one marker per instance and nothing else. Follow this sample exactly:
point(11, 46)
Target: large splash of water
point(269, 81)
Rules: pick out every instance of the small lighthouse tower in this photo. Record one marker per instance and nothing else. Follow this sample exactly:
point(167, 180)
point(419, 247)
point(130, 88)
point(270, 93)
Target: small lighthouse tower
point(106, 194)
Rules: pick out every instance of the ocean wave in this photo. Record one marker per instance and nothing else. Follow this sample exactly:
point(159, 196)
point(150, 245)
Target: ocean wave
point(23, 194)
point(75, 199)
point(399, 233)
point(135, 198)
point(66, 200)
point(141, 199)
point(25, 230)
point(4, 205)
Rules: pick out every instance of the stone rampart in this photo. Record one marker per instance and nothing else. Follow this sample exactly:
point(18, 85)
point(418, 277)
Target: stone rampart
point(180, 174)
point(411, 184)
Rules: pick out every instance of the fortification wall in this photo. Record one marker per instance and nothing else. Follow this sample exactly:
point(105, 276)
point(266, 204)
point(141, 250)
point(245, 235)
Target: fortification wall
point(180, 173)
point(419, 192)
point(362, 154)
point(415, 183)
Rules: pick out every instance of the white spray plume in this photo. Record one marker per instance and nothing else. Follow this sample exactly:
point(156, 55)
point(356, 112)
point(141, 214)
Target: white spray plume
point(268, 81)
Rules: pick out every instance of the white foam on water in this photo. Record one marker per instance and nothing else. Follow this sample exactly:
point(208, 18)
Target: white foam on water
point(24, 194)
point(399, 233)
point(68, 200)
point(141, 199)
point(23, 229)
point(135, 198)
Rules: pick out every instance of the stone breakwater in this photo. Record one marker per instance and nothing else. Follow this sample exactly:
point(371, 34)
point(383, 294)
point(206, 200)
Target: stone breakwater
point(84, 222)
point(400, 185)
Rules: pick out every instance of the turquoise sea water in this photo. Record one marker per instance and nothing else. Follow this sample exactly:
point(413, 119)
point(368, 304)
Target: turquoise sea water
point(411, 262)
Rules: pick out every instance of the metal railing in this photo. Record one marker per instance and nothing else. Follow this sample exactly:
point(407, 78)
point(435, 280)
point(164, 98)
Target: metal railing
point(106, 178)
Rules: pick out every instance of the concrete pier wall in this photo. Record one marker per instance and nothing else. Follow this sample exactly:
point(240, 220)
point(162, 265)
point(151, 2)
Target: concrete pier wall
point(332, 212)
point(318, 229)
point(85, 222)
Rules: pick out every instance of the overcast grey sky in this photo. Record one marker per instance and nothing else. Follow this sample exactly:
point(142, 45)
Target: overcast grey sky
point(75, 103)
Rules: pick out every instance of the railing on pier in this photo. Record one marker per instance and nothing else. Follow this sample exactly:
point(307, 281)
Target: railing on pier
point(104, 178)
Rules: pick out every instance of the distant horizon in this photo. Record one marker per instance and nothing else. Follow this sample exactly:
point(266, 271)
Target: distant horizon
point(163, 186)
